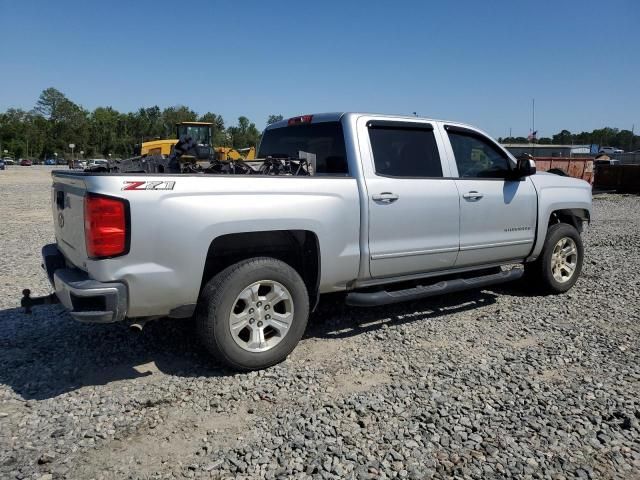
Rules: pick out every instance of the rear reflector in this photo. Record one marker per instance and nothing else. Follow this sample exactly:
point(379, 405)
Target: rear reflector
point(106, 222)
point(299, 120)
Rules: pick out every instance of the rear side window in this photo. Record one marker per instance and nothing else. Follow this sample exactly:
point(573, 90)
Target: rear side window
point(325, 140)
point(405, 151)
point(477, 157)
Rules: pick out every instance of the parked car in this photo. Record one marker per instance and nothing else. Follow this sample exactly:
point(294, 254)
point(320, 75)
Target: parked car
point(394, 209)
point(25, 162)
point(9, 161)
point(50, 161)
point(610, 161)
point(610, 150)
point(97, 164)
point(1, 164)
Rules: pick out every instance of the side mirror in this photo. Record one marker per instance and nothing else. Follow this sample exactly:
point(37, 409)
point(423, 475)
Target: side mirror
point(525, 167)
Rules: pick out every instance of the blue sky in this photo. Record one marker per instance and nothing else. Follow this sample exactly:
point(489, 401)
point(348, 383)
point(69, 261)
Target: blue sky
point(474, 61)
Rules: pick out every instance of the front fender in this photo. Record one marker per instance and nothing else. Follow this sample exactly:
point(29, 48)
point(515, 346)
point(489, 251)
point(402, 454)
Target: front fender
point(563, 195)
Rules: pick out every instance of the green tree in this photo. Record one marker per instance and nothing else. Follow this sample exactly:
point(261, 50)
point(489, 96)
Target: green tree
point(173, 115)
point(103, 122)
point(274, 119)
point(245, 134)
point(563, 138)
point(217, 129)
point(49, 102)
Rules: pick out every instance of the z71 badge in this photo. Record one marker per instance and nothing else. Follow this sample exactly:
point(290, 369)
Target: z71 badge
point(148, 185)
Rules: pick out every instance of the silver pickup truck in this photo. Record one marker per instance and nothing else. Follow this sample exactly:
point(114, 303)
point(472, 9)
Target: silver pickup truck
point(393, 209)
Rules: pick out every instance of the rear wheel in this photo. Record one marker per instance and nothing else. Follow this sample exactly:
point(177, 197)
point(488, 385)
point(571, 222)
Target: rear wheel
point(253, 314)
point(560, 263)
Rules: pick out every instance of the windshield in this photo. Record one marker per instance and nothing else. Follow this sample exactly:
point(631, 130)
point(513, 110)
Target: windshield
point(201, 134)
point(324, 140)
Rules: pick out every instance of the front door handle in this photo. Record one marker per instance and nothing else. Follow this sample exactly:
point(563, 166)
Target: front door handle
point(472, 195)
point(385, 197)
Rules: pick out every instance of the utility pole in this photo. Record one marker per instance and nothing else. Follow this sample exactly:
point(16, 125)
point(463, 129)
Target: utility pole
point(533, 124)
point(533, 115)
point(71, 146)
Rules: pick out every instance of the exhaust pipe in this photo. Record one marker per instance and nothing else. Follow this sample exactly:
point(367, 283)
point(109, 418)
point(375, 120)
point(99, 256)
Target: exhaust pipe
point(139, 323)
point(137, 327)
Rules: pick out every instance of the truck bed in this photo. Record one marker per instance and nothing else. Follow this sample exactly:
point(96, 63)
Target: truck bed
point(175, 218)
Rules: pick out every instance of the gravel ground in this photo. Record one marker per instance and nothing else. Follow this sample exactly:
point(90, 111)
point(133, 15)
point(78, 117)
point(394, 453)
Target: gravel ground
point(489, 384)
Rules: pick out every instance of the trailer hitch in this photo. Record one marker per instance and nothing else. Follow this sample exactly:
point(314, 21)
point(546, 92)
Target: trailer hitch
point(27, 302)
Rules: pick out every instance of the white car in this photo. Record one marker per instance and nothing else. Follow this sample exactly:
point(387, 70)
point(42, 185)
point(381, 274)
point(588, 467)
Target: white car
point(97, 162)
point(610, 150)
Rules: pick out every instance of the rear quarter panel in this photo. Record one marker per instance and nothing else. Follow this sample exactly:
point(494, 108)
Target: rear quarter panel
point(171, 230)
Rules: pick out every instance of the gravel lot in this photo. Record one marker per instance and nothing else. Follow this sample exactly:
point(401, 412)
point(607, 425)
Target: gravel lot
point(489, 384)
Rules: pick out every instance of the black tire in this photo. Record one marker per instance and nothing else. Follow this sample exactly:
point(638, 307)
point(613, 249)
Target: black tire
point(219, 298)
point(539, 274)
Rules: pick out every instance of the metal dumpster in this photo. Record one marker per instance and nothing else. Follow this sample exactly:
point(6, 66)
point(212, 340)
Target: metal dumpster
point(577, 167)
point(621, 178)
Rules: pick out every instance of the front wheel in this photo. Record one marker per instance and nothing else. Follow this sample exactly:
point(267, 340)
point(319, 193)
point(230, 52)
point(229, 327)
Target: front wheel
point(560, 263)
point(253, 314)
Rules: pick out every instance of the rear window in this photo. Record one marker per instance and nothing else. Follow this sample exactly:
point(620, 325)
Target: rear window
point(324, 140)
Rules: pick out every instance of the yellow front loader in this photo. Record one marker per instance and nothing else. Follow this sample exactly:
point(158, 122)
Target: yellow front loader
point(228, 153)
point(200, 132)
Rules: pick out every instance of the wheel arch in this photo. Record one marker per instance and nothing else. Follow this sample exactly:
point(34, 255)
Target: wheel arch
point(300, 249)
point(574, 216)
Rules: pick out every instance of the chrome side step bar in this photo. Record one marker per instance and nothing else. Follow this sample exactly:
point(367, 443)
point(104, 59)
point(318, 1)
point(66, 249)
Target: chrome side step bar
point(384, 297)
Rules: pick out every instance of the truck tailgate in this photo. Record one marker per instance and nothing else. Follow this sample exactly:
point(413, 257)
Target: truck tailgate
point(67, 204)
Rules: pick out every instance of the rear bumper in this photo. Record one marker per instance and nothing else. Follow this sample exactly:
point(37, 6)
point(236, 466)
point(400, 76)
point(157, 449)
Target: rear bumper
point(87, 300)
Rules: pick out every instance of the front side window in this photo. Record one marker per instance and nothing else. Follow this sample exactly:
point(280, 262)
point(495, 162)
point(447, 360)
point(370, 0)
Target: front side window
point(476, 157)
point(405, 152)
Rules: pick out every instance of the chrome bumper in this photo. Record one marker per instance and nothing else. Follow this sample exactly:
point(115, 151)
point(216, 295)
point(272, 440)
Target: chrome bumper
point(87, 300)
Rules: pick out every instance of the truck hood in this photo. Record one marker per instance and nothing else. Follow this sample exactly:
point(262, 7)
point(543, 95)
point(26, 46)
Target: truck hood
point(543, 180)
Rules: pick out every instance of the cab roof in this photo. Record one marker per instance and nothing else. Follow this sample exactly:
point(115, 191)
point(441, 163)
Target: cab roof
point(337, 116)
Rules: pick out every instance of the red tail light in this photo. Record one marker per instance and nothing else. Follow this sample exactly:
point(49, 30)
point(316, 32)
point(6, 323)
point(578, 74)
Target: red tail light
point(301, 119)
point(106, 224)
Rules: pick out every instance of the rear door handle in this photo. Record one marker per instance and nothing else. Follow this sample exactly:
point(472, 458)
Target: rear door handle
point(385, 197)
point(473, 195)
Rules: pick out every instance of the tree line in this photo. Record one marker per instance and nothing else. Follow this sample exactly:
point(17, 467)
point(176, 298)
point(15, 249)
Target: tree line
point(56, 122)
point(611, 137)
